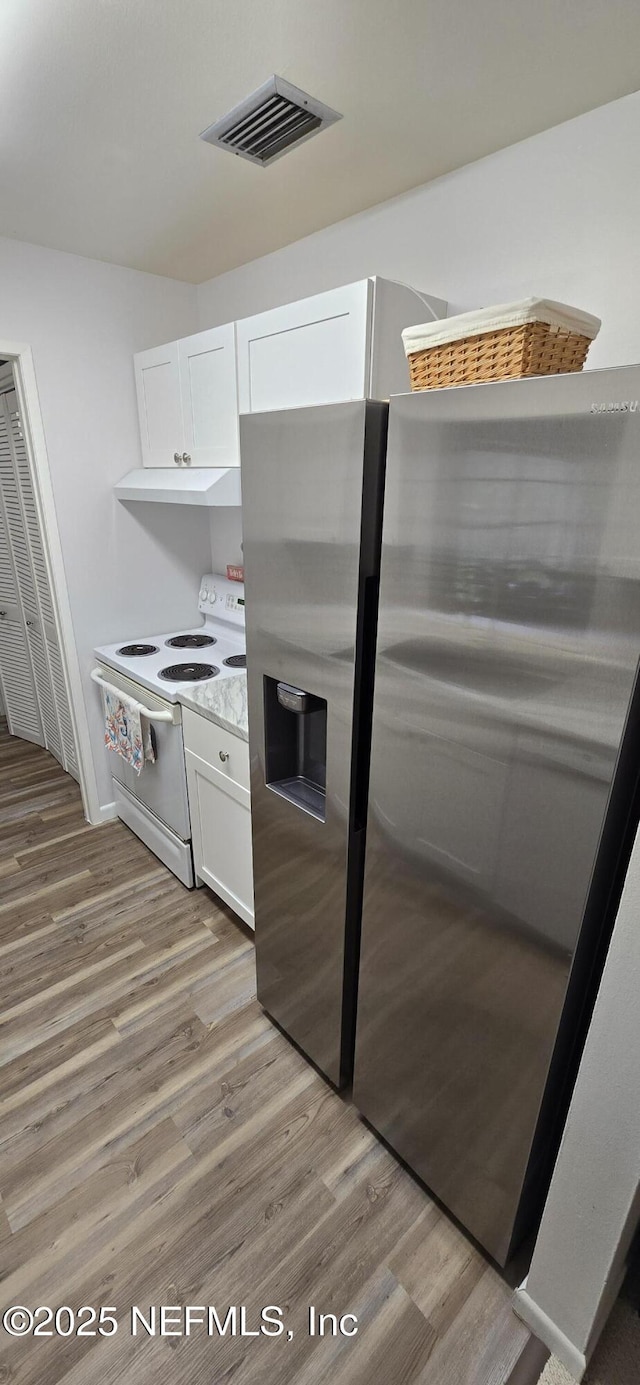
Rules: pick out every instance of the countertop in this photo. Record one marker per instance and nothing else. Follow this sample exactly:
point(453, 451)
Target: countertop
point(222, 701)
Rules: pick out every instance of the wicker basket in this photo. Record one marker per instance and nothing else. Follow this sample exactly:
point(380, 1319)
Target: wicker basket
point(505, 350)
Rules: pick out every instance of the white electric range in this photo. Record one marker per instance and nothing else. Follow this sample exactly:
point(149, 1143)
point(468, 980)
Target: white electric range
point(153, 670)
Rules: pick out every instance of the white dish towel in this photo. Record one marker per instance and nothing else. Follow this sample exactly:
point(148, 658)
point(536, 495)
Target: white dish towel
point(126, 731)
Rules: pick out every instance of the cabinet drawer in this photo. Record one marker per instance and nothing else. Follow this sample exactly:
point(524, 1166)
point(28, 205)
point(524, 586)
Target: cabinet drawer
point(226, 753)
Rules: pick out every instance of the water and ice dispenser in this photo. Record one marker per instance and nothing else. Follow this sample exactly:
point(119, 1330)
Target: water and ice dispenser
point(296, 745)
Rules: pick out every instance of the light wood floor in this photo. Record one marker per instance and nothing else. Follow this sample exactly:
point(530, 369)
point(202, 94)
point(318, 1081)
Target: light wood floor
point(162, 1143)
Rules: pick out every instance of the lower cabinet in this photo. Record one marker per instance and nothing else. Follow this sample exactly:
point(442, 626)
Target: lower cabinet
point(220, 808)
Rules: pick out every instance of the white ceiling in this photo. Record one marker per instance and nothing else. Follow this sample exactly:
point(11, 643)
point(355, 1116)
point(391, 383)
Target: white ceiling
point(102, 101)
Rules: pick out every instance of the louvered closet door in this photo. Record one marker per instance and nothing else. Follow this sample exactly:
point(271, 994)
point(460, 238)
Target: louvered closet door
point(18, 686)
point(62, 741)
point(62, 703)
point(40, 661)
point(33, 583)
point(16, 674)
point(26, 554)
point(25, 581)
point(42, 606)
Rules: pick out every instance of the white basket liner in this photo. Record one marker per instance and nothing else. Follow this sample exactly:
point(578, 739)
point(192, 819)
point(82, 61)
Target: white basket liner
point(428, 334)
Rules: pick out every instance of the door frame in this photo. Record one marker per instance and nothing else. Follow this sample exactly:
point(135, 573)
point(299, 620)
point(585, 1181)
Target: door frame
point(21, 358)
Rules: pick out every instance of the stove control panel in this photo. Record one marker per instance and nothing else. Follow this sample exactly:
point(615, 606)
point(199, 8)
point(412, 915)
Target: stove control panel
point(233, 602)
point(222, 599)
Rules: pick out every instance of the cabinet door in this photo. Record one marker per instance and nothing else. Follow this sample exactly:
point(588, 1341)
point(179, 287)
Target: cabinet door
point(208, 385)
point(159, 407)
point(315, 351)
point(221, 834)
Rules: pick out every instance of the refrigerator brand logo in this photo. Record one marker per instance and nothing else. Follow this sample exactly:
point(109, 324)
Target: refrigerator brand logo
point(620, 406)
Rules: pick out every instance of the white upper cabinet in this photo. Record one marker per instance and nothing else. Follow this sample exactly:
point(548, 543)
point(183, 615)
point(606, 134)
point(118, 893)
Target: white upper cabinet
point(344, 344)
point(208, 386)
point(159, 405)
point(187, 401)
point(310, 352)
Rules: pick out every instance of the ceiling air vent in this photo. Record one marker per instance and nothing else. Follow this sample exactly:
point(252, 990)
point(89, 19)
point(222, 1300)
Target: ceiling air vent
point(275, 118)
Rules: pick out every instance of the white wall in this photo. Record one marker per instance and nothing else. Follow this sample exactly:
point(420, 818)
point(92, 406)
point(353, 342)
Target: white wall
point(226, 537)
point(594, 1202)
point(557, 215)
point(129, 569)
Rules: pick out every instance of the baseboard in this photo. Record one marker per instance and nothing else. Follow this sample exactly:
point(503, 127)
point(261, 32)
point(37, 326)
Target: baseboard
point(548, 1332)
point(106, 813)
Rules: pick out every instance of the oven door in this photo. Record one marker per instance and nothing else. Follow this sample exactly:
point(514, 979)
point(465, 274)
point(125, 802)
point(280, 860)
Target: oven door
point(162, 784)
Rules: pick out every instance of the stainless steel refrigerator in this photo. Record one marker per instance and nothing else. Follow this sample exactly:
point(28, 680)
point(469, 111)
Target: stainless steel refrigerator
point(503, 782)
point(311, 494)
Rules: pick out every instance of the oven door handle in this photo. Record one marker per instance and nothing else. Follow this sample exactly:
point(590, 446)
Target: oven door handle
point(96, 677)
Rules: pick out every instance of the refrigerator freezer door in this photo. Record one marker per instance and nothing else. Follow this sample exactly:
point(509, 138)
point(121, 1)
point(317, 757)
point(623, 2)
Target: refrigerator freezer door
point(508, 641)
point(311, 482)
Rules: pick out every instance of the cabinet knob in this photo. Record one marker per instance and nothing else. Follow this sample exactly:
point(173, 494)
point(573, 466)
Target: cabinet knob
point(186, 457)
point(177, 459)
point(224, 755)
point(29, 624)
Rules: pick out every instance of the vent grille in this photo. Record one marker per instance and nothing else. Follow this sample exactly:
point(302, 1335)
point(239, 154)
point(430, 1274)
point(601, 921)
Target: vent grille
point(275, 118)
